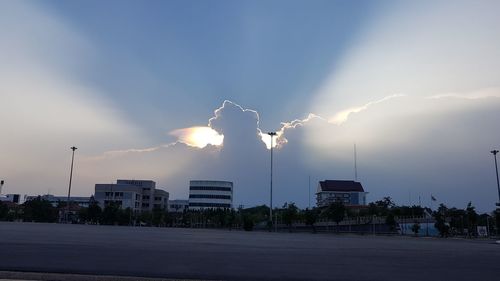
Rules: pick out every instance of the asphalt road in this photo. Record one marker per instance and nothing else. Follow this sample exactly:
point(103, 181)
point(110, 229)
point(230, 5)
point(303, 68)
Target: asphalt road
point(237, 255)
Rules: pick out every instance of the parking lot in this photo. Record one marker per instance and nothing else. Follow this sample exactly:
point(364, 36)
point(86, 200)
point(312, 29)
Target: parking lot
point(237, 255)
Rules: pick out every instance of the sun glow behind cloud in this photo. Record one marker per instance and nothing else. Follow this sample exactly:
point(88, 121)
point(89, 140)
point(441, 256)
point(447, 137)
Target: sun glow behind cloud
point(198, 136)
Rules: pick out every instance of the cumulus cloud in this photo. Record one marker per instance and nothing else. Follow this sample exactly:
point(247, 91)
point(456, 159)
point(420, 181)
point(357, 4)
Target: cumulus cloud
point(436, 148)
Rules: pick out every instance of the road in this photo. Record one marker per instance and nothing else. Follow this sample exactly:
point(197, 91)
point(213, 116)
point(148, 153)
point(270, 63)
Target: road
point(238, 255)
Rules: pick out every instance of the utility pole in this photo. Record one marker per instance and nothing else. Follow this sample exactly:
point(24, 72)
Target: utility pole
point(309, 192)
point(69, 187)
point(355, 164)
point(494, 152)
point(271, 134)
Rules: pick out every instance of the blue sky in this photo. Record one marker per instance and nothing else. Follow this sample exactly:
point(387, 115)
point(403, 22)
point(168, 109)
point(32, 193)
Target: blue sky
point(269, 55)
point(414, 84)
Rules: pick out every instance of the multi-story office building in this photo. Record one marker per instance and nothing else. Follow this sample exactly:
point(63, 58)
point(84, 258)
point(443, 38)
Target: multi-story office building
point(178, 206)
point(205, 194)
point(350, 193)
point(138, 195)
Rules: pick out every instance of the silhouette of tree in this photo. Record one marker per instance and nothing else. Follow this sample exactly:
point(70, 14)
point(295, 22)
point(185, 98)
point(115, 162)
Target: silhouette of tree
point(39, 210)
point(336, 212)
point(311, 217)
point(4, 210)
point(415, 228)
point(290, 214)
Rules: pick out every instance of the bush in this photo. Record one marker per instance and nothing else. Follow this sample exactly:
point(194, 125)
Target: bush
point(247, 223)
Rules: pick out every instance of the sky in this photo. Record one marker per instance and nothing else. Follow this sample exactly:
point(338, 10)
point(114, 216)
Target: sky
point(180, 90)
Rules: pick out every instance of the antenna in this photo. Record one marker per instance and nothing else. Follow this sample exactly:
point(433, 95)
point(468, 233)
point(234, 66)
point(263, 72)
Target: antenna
point(355, 164)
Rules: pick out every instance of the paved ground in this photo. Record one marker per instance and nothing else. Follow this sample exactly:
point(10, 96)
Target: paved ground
point(235, 255)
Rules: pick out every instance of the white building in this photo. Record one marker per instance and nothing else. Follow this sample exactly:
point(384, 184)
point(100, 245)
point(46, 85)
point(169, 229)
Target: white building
point(178, 206)
point(205, 194)
point(81, 201)
point(350, 193)
point(14, 198)
point(138, 195)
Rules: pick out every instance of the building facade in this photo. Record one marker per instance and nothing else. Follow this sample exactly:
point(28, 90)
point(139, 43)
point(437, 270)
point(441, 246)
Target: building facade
point(138, 195)
point(178, 206)
point(14, 198)
point(350, 193)
point(204, 194)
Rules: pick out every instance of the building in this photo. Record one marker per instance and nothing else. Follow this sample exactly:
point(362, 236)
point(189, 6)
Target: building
point(14, 198)
point(81, 201)
point(205, 194)
point(178, 206)
point(350, 193)
point(138, 195)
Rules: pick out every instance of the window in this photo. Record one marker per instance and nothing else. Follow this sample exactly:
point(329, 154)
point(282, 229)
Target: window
point(210, 205)
point(210, 196)
point(219, 188)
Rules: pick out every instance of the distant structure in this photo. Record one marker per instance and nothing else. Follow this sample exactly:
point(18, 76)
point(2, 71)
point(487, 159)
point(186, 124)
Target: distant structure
point(56, 200)
point(350, 193)
point(138, 195)
point(204, 194)
point(178, 206)
point(12, 198)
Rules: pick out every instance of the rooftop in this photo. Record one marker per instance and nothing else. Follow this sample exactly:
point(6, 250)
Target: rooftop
point(340, 185)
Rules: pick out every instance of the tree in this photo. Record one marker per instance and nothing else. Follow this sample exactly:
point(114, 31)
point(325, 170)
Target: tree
point(4, 210)
point(471, 218)
point(290, 214)
point(390, 220)
point(496, 218)
point(247, 222)
point(415, 228)
point(441, 226)
point(311, 216)
point(39, 210)
point(335, 212)
point(230, 218)
point(110, 213)
point(94, 213)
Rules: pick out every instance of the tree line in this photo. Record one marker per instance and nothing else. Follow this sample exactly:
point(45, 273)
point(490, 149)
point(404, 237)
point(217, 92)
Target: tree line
point(448, 221)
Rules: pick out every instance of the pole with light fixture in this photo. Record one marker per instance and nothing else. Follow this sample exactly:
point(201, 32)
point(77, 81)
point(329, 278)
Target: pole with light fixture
point(73, 148)
point(494, 152)
point(271, 134)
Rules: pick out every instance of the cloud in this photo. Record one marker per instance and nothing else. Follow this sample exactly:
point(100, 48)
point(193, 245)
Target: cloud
point(493, 92)
point(343, 115)
point(397, 150)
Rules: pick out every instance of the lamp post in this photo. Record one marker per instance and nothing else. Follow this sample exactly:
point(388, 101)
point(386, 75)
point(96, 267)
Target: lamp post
point(271, 134)
point(70, 178)
point(494, 152)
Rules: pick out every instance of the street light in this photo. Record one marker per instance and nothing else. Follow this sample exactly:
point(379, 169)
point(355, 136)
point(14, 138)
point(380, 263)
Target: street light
point(494, 152)
point(70, 178)
point(271, 134)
